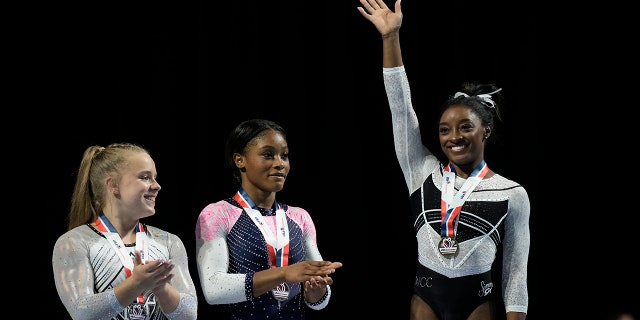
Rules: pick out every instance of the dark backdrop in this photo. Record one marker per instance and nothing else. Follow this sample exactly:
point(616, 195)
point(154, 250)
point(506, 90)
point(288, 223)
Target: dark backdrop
point(177, 77)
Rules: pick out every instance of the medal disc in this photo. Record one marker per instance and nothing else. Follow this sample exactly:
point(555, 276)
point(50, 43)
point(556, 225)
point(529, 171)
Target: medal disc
point(281, 292)
point(448, 246)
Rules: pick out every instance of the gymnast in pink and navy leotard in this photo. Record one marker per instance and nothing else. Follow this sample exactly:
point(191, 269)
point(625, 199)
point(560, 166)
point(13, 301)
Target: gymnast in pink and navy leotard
point(254, 254)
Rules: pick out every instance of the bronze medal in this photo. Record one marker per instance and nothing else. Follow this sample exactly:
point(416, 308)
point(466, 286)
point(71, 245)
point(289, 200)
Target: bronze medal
point(137, 311)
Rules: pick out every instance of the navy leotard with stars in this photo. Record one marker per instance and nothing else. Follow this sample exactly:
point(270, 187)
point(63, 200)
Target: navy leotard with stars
point(230, 249)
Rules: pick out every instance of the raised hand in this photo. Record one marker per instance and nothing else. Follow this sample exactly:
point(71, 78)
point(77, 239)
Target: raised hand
point(385, 20)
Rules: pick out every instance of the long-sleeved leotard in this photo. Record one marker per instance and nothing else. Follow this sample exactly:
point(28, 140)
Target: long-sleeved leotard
point(495, 214)
point(86, 269)
point(230, 249)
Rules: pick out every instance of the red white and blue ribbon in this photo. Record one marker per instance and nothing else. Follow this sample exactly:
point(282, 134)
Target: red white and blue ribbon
point(451, 201)
point(109, 231)
point(278, 244)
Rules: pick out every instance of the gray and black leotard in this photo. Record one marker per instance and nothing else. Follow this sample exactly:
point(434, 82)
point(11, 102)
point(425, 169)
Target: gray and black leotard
point(86, 269)
point(496, 215)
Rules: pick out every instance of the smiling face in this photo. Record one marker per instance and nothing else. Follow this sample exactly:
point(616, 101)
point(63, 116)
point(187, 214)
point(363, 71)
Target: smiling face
point(462, 137)
point(264, 165)
point(136, 188)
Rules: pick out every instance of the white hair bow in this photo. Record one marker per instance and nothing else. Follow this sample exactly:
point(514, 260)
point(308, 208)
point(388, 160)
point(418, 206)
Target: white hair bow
point(486, 97)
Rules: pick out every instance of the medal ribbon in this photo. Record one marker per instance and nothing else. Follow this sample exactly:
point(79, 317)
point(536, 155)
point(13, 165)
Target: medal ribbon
point(451, 201)
point(278, 244)
point(109, 231)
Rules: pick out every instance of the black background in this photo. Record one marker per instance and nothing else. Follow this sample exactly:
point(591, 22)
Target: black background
point(177, 77)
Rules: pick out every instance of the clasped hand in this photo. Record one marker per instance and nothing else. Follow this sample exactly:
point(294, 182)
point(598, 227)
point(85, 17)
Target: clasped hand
point(152, 274)
point(314, 275)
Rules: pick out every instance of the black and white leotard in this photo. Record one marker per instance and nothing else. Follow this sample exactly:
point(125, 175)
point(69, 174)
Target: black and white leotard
point(496, 214)
point(86, 269)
